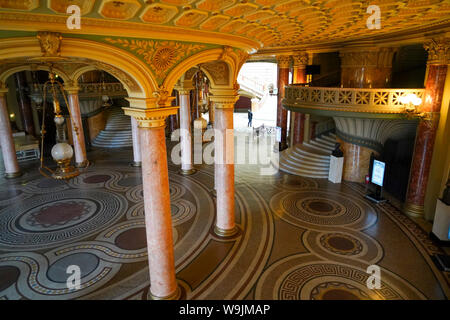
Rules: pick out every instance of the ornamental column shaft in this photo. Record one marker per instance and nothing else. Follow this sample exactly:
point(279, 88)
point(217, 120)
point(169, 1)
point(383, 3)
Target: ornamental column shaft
point(283, 80)
point(6, 140)
point(224, 164)
point(299, 76)
point(187, 166)
point(79, 143)
point(155, 178)
point(426, 132)
point(137, 159)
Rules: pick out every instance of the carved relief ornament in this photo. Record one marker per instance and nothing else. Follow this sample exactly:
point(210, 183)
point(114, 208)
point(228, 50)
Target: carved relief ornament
point(438, 50)
point(50, 43)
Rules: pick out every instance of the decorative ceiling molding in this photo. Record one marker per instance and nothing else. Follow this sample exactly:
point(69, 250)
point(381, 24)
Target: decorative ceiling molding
point(275, 24)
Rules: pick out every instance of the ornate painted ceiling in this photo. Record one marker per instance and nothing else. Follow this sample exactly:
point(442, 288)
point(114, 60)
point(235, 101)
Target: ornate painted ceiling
point(256, 23)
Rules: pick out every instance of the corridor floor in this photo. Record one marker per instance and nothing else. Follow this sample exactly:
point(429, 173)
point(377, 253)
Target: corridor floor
point(299, 238)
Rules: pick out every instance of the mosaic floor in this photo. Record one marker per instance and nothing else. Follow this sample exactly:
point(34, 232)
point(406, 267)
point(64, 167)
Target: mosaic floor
point(300, 238)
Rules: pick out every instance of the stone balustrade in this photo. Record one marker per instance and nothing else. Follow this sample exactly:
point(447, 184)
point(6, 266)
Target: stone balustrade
point(374, 101)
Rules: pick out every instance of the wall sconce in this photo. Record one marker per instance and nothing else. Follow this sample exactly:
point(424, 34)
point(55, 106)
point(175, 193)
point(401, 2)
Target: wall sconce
point(411, 101)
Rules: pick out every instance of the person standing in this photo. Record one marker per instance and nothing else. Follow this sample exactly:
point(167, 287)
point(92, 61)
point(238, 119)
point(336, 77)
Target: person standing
point(250, 118)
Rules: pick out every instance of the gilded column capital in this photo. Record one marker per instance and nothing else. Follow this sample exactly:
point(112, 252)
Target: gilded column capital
point(300, 59)
point(72, 89)
point(284, 62)
point(184, 91)
point(184, 87)
point(224, 101)
point(151, 118)
point(438, 50)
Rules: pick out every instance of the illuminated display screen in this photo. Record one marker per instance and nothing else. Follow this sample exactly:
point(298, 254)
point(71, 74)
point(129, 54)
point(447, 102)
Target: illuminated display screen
point(378, 172)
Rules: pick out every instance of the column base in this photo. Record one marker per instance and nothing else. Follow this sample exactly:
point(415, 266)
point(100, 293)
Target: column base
point(136, 164)
point(13, 175)
point(83, 164)
point(187, 172)
point(414, 210)
point(225, 233)
point(174, 296)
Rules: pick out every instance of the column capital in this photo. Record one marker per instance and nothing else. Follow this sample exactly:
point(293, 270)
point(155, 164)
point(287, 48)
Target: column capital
point(224, 98)
point(284, 61)
point(438, 50)
point(184, 87)
point(74, 89)
point(300, 58)
point(152, 117)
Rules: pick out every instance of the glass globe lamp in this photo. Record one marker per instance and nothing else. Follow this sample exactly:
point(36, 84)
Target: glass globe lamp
point(62, 153)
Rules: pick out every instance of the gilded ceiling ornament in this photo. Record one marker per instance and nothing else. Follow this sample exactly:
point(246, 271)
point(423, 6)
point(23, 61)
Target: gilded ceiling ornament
point(162, 96)
point(50, 43)
point(161, 56)
point(438, 50)
point(219, 72)
point(227, 51)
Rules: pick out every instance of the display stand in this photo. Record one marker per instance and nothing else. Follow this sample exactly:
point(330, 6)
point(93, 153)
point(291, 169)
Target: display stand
point(336, 168)
point(441, 224)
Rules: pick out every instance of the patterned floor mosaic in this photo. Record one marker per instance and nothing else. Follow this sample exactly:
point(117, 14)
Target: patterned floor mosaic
point(300, 238)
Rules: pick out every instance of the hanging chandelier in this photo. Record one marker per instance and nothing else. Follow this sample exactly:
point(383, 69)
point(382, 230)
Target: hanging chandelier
point(61, 152)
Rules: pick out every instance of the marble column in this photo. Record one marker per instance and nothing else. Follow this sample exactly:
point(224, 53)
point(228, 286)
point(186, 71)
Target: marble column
point(187, 166)
point(224, 165)
point(427, 128)
point(137, 160)
point(6, 140)
point(283, 80)
point(79, 143)
point(300, 60)
point(24, 103)
point(155, 181)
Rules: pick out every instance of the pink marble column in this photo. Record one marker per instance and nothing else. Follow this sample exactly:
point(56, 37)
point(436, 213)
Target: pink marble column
point(224, 148)
point(187, 166)
point(136, 143)
point(77, 129)
point(6, 140)
point(158, 220)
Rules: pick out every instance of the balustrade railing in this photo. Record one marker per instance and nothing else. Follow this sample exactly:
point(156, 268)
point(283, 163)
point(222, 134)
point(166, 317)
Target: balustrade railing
point(349, 99)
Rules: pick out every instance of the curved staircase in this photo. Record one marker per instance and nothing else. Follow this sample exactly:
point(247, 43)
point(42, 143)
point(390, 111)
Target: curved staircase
point(311, 159)
point(117, 133)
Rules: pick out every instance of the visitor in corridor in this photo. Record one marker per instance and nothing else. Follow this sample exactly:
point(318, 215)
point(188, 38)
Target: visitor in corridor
point(250, 118)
